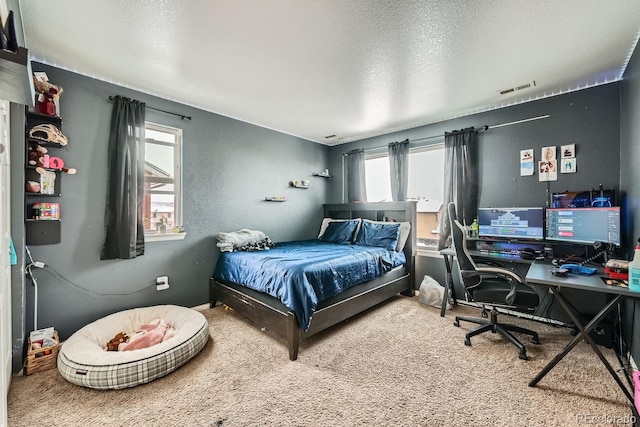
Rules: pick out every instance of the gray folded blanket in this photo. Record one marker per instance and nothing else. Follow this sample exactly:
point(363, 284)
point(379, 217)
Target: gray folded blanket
point(244, 240)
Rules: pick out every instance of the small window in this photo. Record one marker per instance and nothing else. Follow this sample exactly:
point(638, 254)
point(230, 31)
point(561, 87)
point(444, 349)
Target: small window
point(426, 185)
point(162, 178)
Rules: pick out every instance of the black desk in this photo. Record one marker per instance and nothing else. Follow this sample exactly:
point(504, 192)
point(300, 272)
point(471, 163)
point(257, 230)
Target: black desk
point(449, 253)
point(540, 274)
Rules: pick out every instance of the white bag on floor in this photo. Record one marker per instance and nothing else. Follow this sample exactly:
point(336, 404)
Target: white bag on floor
point(432, 292)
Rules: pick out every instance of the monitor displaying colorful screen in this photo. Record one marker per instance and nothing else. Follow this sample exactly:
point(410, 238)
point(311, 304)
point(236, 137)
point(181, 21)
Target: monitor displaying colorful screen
point(584, 199)
point(584, 225)
point(511, 223)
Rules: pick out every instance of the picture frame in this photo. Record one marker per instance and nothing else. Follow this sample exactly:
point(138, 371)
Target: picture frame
point(568, 151)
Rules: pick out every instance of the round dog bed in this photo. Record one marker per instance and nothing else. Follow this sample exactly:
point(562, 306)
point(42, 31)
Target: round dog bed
point(83, 360)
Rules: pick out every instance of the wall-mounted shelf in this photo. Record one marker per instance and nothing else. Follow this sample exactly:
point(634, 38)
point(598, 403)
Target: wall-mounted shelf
point(275, 199)
point(41, 231)
point(15, 77)
point(298, 185)
point(322, 174)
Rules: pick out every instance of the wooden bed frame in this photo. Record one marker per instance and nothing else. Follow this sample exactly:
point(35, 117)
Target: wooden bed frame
point(268, 312)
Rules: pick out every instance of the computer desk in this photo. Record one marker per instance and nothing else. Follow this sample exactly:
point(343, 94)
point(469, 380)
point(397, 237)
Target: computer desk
point(540, 274)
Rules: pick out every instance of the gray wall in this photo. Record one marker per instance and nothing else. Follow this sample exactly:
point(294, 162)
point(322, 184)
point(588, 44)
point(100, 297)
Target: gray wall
point(589, 118)
point(229, 168)
point(630, 175)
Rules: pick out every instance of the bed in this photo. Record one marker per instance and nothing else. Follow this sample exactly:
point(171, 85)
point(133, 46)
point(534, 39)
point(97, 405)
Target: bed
point(333, 301)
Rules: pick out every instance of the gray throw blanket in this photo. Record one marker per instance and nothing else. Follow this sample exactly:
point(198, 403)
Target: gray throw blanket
point(244, 240)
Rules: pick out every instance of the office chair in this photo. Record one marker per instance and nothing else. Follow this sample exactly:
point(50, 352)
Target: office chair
point(493, 286)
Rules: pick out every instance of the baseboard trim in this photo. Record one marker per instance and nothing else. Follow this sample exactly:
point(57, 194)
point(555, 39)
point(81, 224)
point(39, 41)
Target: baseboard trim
point(201, 307)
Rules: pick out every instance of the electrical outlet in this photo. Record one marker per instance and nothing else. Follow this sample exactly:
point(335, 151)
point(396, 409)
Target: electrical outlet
point(162, 283)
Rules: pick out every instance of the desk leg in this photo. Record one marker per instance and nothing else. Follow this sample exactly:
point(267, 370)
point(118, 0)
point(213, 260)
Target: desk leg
point(448, 286)
point(583, 334)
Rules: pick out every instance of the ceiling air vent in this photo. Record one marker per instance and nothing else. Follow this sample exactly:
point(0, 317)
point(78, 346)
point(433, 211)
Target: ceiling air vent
point(517, 88)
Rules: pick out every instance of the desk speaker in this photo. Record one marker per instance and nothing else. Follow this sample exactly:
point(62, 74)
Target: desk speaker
point(603, 334)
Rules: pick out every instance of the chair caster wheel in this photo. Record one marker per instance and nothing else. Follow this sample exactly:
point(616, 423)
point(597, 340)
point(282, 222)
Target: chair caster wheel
point(485, 314)
point(456, 323)
point(467, 342)
point(523, 356)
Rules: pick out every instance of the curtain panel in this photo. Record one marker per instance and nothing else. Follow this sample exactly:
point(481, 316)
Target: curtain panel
point(399, 169)
point(460, 180)
point(356, 182)
point(124, 229)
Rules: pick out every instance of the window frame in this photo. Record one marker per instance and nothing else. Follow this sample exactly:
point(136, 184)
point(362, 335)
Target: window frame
point(177, 179)
point(381, 152)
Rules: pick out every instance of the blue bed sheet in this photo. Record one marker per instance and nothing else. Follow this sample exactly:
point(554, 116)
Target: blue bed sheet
point(303, 273)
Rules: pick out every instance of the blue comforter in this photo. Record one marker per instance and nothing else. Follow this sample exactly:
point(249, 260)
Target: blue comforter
point(301, 274)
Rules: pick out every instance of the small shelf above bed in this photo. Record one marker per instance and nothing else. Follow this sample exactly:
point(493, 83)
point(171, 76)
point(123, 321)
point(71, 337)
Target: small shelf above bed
point(324, 174)
point(299, 184)
point(275, 199)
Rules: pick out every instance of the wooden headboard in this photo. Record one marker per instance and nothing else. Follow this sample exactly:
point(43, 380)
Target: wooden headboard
point(381, 211)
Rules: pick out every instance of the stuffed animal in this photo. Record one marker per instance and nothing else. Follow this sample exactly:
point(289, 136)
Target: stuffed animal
point(39, 158)
point(121, 337)
point(48, 94)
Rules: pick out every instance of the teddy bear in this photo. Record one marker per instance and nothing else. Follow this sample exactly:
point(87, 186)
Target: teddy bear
point(48, 94)
point(38, 157)
point(114, 343)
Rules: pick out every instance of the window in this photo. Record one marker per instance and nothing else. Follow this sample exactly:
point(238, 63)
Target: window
point(162, 178)
point(426, 174)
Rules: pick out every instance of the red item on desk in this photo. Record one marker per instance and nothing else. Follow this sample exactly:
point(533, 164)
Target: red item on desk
point(616, 273)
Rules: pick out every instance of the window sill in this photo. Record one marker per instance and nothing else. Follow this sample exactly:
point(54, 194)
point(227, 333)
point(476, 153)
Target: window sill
point(428, 252)
point(160, 237)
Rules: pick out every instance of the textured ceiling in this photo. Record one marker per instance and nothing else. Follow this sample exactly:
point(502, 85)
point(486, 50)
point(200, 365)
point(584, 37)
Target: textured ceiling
point(350, 68)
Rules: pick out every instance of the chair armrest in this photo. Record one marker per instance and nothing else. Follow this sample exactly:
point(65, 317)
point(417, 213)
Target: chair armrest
point(502, 272)
point(512, 278)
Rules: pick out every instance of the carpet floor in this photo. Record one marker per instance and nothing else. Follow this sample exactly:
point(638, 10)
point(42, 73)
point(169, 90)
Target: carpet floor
point(399, 363)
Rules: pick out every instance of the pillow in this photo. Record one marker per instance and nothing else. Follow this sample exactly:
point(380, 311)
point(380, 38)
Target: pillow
point(339, 231)
point(327, 221)
point(381, 234)
point(405, 230)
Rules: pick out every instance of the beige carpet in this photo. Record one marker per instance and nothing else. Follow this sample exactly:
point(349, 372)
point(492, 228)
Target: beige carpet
point(398, 364)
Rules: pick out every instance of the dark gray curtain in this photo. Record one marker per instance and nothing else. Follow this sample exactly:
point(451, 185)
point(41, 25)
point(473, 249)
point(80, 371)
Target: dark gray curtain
point(460, 179)
point(124, 230)
point(356, 183)
point(399, 169)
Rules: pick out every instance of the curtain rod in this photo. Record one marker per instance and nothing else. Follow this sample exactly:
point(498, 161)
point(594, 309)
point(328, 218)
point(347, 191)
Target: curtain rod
point(483, 128)
point(182, 116)
point(487, 127)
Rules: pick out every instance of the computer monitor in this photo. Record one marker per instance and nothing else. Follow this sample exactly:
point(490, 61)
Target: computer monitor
point(584, 199)
point(584, 225)
point(511, 223)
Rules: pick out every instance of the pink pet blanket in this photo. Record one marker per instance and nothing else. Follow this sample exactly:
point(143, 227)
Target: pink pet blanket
point(150, 334)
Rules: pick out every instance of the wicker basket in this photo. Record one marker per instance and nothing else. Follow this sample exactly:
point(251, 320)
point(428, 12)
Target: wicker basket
point(43, 358)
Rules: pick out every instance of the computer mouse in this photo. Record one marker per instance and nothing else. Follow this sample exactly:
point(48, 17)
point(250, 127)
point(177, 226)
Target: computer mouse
point(560, 272)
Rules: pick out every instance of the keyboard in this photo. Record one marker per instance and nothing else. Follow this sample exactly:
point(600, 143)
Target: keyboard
point(512, 250)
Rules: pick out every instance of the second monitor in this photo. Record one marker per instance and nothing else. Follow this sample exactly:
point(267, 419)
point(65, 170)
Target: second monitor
point(511, 223)
point(584, 225)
